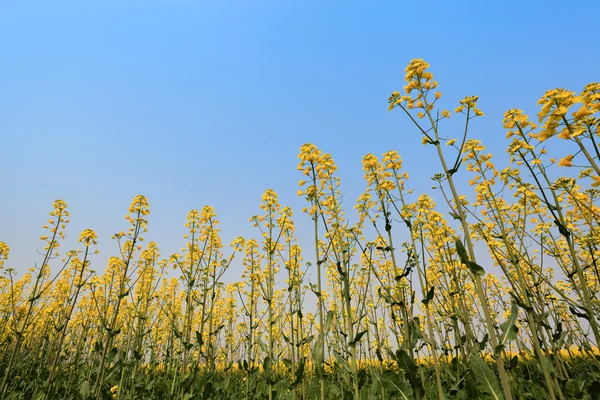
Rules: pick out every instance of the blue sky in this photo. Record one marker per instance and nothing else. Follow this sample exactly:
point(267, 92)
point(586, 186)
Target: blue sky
point(208, 102)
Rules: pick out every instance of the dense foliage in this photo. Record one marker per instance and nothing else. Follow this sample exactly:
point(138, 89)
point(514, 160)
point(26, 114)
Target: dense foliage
point(404, 307)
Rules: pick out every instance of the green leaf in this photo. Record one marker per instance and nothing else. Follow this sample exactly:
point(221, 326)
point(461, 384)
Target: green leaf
point(520, 303)
point(342, 361)
point(573, 389)
point(262, 345)
point(395, 384)
point(410, 368)
point(475, 268)
point(378, 354)
point(508, 327)
point(547, 363)
point(513, 362)
point(267, 364)
point(460, 250)
point(199, 338)
point(484, 341)
point(112, 354)
point(329, 320)
point(208, 389)
point(299, 373)
point(487, 381)
point(579, 314)
point(317, 352)
point(561, 228)
point(176, 333)
point(498, 349)
point(84, 389)
point(560, 339)
point(307, 339)
point(357, 338)
point(454, 215)
point(429, 296)
point(388, 300)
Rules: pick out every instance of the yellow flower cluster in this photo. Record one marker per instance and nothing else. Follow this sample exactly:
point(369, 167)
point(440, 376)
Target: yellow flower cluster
point(88, 237)
point(404, 275)
point(555, 105)
point(470, 103)
point(4, 250)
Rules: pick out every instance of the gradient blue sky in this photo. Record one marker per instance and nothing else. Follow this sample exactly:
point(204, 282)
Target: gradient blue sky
point(208, 102)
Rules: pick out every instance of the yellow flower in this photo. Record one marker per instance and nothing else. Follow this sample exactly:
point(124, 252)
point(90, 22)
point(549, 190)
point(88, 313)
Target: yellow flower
point(470, 103)
point(591, 96)
point(60, 209)
point(555, 105)
point(582, 112)
point(450, 142)
point(565, 134)
point(87, 237)
point(416, 70)
point(566, 162)
point(4, 250)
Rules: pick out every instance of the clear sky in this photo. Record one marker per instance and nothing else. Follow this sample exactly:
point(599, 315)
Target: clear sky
point(208, 102)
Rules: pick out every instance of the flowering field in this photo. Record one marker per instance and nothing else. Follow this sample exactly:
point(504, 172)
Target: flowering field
point(404, 305)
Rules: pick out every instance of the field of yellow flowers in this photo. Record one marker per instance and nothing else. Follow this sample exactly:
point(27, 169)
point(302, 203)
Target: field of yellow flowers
point(405, 306)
